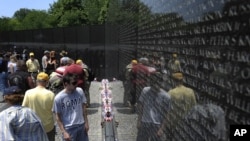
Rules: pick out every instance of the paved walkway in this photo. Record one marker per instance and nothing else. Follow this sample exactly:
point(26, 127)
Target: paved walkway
point(126, 129)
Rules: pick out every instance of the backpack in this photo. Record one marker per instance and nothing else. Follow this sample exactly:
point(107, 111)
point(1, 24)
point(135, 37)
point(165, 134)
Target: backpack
point(55, 84)
point(18, 80)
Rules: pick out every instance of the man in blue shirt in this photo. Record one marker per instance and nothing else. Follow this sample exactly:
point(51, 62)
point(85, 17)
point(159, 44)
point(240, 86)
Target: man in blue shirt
point(70, 110)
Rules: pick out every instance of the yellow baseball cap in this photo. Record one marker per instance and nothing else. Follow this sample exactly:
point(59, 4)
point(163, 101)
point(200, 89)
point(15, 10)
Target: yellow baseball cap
point(79, 61)
point(32, 54)
point(134, 61)
point(42, 76)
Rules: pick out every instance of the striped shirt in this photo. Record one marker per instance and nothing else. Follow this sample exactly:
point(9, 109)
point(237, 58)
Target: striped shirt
point(21, 124)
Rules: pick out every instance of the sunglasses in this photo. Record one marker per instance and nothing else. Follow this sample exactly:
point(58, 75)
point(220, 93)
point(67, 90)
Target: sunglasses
point(73, 83)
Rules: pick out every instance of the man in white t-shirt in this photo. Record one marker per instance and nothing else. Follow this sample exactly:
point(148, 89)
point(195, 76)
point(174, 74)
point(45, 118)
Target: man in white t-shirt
point(70, 110)
point(153, 106)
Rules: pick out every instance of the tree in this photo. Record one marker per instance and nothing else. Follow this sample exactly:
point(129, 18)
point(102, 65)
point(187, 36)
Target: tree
point(36, 19)
point(68, 13)
point(96, 10)
point(5, 24)
point(21, 14)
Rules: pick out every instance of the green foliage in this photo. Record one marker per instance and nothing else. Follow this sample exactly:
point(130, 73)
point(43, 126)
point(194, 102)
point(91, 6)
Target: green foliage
point(122, 11)
point(5, 24)
point(36, 20)
point(21, 14)
point(68, 13)
point(61, 13)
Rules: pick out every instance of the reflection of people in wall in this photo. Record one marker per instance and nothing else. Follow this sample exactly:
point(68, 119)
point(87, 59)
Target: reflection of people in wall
point(182, 99)
point(174, 64)
point(153, 105)
point(210, 120)
point(127, 83)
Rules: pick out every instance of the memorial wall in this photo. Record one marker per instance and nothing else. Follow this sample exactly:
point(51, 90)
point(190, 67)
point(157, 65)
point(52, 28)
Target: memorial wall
point(212, 41)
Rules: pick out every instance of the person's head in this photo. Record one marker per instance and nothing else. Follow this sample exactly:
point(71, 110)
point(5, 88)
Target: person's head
point(65, 61)
point(178, 78)
point(32, 55)
point(21, 65)
point(174, 55)
point(79, 62)
point(13, 58)
point(155, 80)
point(70, 81)
point(42, 79)
point(52, 54)
point(13, 96)
point(134, 62)
point(63, 53)
point(143, 61)
point(46, 52)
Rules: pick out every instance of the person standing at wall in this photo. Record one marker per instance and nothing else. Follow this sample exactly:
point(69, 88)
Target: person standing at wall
point(41, 101)
point(33, 66)
point(12, 64)
point(153, 106)
point(86, 80)
point(45, 59)
point(127, 83)
point(174, 64)
point(19, 123)
point(182, 99)
point(71, 118)
point(63, 54)
point(51, 63)
point(139, 73)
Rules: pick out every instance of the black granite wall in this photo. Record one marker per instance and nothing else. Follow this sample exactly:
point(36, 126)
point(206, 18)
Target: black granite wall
point(212, 41)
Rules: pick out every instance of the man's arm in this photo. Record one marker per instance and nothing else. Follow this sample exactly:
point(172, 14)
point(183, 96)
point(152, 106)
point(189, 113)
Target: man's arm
point(84, 108)
point(65, 134)
point(30, 82)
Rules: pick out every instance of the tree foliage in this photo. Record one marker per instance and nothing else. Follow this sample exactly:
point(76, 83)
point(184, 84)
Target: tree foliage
point(68, 13)
point(21, 14)
point(36, 20)
point(61, 13)
point(5, 24)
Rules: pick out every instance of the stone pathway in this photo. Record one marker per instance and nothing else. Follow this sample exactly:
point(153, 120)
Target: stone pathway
point(126, 129)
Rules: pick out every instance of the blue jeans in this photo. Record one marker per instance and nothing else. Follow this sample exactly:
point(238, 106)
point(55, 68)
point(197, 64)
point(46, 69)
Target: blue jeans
point(3, 81)
point(77, 133)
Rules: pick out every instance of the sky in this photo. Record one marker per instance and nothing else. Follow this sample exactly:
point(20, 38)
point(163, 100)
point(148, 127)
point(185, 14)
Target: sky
point(9, 7)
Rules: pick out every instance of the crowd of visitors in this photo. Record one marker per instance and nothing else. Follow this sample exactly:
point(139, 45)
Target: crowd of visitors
point(40, 95)
point(59, 88)
point(163, 108)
